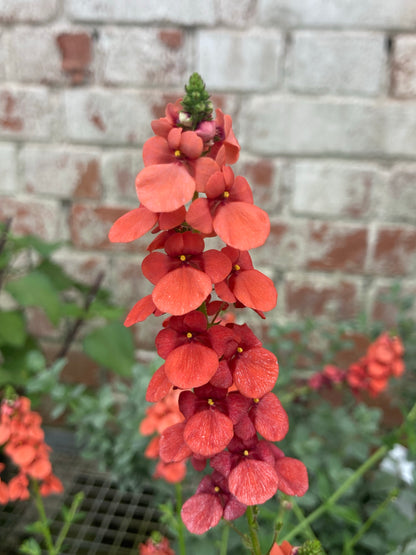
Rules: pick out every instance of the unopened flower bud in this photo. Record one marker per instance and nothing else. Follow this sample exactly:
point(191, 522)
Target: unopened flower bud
point(185, 119)
point(206, 130)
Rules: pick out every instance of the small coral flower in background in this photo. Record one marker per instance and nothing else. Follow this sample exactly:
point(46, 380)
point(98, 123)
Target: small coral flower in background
point(156, 545)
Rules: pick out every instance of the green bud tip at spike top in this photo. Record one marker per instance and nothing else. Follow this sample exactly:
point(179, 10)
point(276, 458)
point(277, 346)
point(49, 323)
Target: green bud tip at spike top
point(196, 102)
point(311, 547)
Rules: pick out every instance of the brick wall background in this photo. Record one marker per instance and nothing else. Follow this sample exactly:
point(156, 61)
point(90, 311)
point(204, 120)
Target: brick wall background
point(323, 98)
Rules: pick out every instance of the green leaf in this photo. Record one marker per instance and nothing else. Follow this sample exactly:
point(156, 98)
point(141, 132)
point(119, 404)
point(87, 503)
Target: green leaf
point(31, 241)
point(57, 276)
point(30, 547)
point(36, 289)
point(12, 328)
point(112, 347)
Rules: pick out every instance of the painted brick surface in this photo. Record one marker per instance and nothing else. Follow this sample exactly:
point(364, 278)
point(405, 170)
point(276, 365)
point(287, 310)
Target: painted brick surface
point(159, 57)
point(354, 128)
point(61, 172)
point(8, 169)
point(329, 62)
point(186, 12)
point(36, 57)
point(249, 61)
point(24, 112)
point(335, 188)
point(42, 217)
point(120, 169)
point(404, 66)
point(27, 10)
point(399, 200)
point(371, 14)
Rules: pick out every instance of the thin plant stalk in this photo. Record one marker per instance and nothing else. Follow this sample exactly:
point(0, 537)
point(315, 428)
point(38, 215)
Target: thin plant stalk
point(252, 524)
point(43, 518)
point(78, 499)
point(375, 457)
point(181, 530)
point(224, 540)
point(368, 523)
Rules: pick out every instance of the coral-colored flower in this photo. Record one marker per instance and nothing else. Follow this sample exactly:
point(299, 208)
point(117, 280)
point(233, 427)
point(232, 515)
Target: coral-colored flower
point(383, 360)
point(174, 170)
point(226, 147)
point(246, 286)
point(185, 344)
point(285, 548)
point(158, 547)
point(330, 376)
point(163, 126)
point(229, 211)
point(183, 277)
point(208, 429)
point(211, 502)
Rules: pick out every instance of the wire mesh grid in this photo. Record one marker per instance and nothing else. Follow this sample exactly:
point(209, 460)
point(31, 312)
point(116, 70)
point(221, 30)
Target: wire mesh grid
point(113, 522)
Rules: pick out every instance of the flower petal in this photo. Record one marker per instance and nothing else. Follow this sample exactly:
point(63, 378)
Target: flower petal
point(216, 264)
point(293, 476)
point(191, 365)
point(201, 512)
point(181, 290)
point(254, 290)
point(172, 447)
point(191, 145)
point(156, 151)
point(241, 225)
point(208, 432)
point(132, 225)
point(169, 220)
point(159, 386)
point(253, 482)
point(199, 216)
point(164, 187)
point(140, 311)
point(255, 372)
point(270, 418)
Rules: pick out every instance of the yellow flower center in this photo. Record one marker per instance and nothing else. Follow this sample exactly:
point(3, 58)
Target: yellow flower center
point(189, 335)
point(177, 153)
point(245, 452)
point(182, 257)
point(216, 489)
point(256, 400)
point(226, 194)
point(239, 350)
point(210, 402)
point(237, 267)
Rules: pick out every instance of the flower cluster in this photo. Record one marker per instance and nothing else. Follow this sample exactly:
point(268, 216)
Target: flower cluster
point(23, 442)
point(383, 360)
point(371, 373)
point(160, 416)
point(156, 545)
point(188, 193)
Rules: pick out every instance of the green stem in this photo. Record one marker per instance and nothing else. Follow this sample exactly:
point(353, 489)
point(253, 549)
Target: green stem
point(69, 518)
point(375, 457)
point(252, 524)
point(368, 523)
point(224, 540)
point(181, 531)
point(42, 515)
point(381, 451)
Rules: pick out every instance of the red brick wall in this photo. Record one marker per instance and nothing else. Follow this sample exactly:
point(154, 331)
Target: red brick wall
point(324, 105)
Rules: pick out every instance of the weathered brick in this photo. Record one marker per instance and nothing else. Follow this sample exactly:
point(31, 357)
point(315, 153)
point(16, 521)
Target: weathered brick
point(90, 226)
point(321, 296)
point(371, 14)
point(236, 14)
point(331, 246)
point(398, 199)
point(329, 62)
point(103, 116)
point(160, 57)
point(34, 56)
point(332, 188)
point(127, 281)
point(27, 10)
point(383, 307)
point(61, 172)
point(404, 66)
point(287, 242)
point(76, 53)
point(248, 61)
point(8, 169)
point(33, 217)
point(84, 267)
point(24, 112)
point(394, 251)
point(79, 368)
point(280, 125)
point(4, 57)
point(186, 12)
point(119, 173)
point(263, 175)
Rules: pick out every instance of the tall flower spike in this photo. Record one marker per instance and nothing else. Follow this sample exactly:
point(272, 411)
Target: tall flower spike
point(196, 103)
